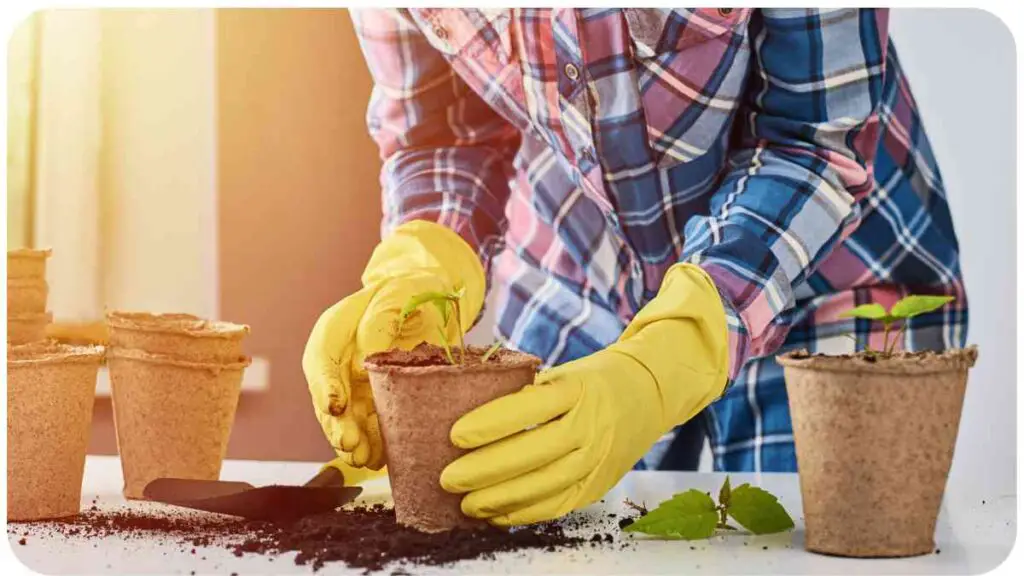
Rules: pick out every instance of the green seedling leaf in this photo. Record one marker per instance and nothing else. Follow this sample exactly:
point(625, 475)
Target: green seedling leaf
point(691, 515)
point(725, 493)
point(420, 299)
point(494, 348)
point(915, 305)
point(868, 312)
point(458, 293)
point(758, 511)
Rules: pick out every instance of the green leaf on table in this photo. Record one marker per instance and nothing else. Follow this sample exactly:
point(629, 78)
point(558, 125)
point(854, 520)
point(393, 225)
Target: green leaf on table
point(868, 312)
point(915, 305)
point(758, 511)
point(690, 515)
point(725, 493)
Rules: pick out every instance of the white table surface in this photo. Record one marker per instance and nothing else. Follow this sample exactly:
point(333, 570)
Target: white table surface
point(973, 537)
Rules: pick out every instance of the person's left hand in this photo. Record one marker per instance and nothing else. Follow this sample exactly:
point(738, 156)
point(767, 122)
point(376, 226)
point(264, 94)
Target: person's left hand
point(563, 442)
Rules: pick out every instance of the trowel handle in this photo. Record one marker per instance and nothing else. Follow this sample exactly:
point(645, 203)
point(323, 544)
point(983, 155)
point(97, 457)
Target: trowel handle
point(338, 473)
point(331, 474)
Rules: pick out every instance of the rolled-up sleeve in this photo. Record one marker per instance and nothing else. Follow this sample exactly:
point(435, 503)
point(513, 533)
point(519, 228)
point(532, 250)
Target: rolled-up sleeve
point(447, 155)
point(806, 144)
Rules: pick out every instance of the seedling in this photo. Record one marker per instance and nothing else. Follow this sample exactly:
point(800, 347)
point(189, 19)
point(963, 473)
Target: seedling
point(490, 351)
point(693, 515)
point(447, 303)
point(900, 312)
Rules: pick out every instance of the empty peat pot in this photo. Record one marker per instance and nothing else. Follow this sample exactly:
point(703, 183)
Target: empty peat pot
point(50, 393)
point(874, 443)
point(27, 328)
point(173, 417)
point(27, 295)
point(27, 263)
point(184, 336)
point(419, 396)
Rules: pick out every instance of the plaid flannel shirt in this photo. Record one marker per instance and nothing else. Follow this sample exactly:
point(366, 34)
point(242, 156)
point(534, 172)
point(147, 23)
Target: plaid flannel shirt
point(582, 152)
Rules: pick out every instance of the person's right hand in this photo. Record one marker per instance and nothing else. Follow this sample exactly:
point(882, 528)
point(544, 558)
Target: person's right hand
point(417, 257)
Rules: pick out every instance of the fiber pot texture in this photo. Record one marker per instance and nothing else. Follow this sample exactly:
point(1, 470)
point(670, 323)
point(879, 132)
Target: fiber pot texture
point(27, 296)
point(26, 328)
point(419, 396)
point(50, 392)
point(874, 443)
point(27, 263)
point(181, 335)
point(173, 417)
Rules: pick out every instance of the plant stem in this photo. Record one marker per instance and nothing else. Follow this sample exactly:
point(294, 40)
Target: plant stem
point(721, 513)
point(896, 339)
point(885, 340)
point(458, 324)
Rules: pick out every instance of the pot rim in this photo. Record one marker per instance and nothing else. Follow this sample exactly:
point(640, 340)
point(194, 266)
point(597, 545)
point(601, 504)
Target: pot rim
point(30, 253)
point(30, 317)
point(177, 324)
point(52, 352)
point(950, 360)
point(239, 363)
point(27, 282)
point(515, 360)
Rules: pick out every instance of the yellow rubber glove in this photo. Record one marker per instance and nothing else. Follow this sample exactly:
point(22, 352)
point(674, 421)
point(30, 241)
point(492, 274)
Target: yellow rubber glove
point(563, 442)
point(417, 257)
point(354, 476)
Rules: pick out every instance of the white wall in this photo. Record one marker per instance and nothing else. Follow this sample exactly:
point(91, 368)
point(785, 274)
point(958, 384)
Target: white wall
point(961, 67)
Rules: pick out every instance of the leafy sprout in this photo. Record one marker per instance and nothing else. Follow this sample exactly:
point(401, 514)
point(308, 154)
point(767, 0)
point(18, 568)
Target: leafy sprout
point(447, 303)
point(490, 351)
point(693, 515)
point(900, 312)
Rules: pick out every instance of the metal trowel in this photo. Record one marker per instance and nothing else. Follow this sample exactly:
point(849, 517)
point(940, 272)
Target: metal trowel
point(324, 492)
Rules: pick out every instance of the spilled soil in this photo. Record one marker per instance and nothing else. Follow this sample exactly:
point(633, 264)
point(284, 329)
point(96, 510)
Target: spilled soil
point(368, 538)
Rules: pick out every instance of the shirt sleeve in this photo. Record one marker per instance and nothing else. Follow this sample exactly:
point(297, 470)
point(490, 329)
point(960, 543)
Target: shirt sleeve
point(447, 155)
point(807, 135)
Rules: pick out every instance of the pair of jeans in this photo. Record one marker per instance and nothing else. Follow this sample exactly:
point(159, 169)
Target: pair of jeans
point(683, 453)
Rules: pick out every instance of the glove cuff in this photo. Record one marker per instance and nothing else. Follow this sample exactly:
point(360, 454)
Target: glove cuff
point(682, 339)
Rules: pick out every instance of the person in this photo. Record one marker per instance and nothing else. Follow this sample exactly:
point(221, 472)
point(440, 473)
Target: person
point(664, 199)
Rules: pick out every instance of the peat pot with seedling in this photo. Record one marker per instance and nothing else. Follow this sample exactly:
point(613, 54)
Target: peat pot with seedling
point(419, 394)
point(874, 434)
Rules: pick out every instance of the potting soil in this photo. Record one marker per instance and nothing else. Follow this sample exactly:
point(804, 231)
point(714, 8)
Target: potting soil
point(367, 538)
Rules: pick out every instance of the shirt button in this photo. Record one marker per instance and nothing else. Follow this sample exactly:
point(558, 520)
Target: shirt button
point(440, 32)
point(724, 11)
point(572, 72)
point(588, 155)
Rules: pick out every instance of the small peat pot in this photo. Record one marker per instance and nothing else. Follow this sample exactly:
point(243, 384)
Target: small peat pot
point(50, 393)
point(419, 395)
point(27, 263)
point(173, 417)
point(874, 441)
point(27, 296)
point(27, 328)
point(183, 336)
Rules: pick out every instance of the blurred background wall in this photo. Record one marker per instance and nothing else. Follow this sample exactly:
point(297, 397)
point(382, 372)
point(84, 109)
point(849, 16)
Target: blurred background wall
point(216, 162)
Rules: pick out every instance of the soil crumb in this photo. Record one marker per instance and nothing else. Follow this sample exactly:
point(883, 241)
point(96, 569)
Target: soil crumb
point(368, 538)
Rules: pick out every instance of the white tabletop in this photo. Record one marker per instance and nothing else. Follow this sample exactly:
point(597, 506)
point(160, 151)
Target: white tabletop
point(973, 537)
